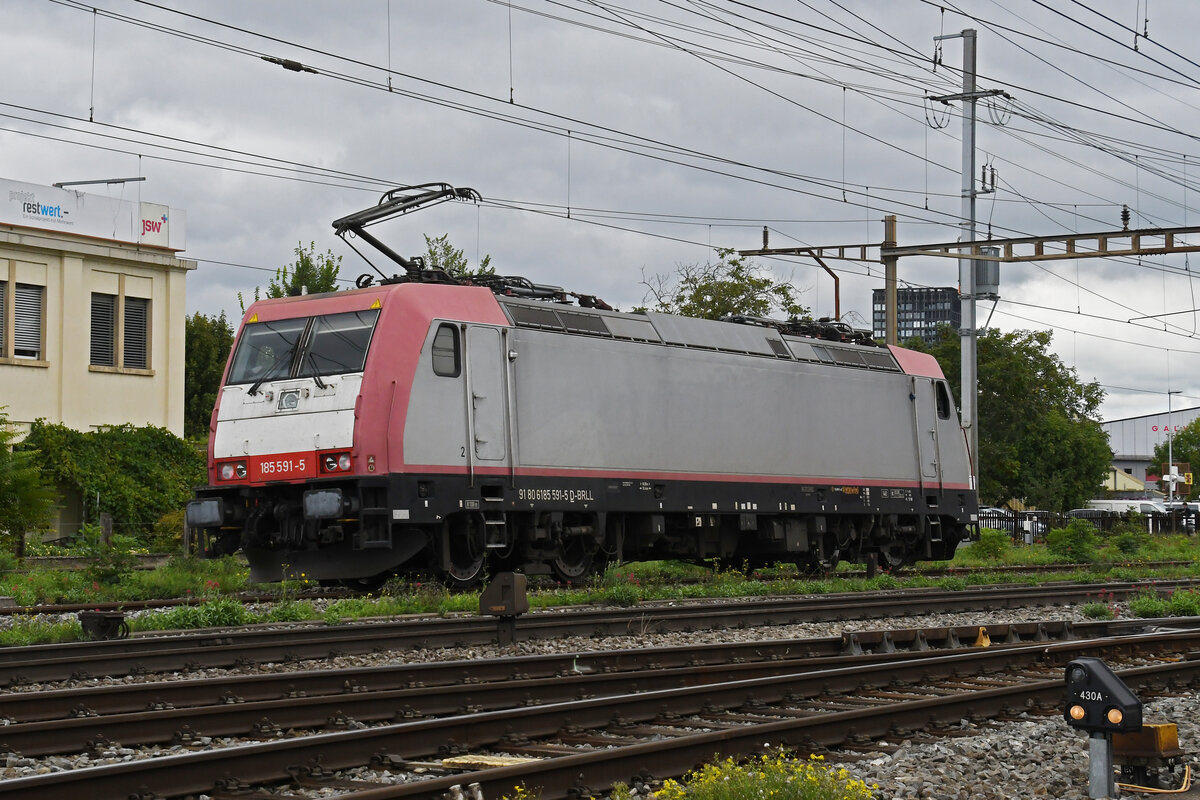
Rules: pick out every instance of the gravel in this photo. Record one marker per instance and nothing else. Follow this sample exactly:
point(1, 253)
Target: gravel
point(1032, 757)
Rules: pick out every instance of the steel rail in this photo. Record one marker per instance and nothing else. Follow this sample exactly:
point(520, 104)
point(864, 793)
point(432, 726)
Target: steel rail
point(112, 699)
point(274, 761)
point(579, 775)
point(157, 721)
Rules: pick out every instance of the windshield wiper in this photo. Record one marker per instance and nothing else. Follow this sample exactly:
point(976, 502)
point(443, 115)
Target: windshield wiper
point(312, 360)
point(270, 373)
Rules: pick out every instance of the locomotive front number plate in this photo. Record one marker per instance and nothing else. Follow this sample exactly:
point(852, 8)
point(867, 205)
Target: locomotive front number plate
point(283, 467)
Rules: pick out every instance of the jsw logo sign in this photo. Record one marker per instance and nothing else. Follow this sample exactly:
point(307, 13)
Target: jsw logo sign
point(153, 225)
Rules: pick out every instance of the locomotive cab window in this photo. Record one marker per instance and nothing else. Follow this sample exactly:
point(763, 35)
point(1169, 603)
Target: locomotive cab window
point(266, 350)
point(943, 401)
point(338, 343)
point(446, 358)
point(304, 347)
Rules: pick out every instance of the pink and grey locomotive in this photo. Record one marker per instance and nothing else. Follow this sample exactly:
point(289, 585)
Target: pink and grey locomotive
point(429, 424)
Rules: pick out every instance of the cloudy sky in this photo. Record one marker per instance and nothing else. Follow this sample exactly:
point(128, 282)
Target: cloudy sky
point(616, 141)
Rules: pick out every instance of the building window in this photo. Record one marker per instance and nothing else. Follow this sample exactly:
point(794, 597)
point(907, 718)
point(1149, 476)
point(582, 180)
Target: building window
point(104, 330)
point(120, 329)
point(137, 333)
point(22, 320)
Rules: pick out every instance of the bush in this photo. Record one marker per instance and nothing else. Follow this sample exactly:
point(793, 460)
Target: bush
point(1075, 543)
point(110, 562)
point(992, 545)
point(1128, 543)
point(166, 535)
point(138, 473)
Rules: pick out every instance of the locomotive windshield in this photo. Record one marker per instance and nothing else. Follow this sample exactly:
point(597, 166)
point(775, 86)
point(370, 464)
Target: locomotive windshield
point(305, 347)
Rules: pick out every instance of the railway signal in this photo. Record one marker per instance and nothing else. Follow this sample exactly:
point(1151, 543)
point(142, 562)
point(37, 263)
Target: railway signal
point(1101, 704)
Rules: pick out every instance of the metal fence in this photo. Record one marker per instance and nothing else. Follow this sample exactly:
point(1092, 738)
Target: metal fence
point(1031, 526)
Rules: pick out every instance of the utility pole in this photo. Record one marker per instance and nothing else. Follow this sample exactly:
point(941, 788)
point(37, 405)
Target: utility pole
point(966, 267)
point(890, 263)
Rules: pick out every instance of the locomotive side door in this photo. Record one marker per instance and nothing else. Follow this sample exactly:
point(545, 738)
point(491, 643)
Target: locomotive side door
point(485, 363)
point(927, 409)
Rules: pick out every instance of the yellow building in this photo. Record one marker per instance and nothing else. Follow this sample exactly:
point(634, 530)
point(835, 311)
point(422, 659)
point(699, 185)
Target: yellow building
point(92, 309)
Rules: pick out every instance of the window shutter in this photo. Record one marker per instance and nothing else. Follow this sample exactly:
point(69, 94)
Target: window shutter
point(27, 332)
point(3, 325)
point(136, 330)
point(103, 329)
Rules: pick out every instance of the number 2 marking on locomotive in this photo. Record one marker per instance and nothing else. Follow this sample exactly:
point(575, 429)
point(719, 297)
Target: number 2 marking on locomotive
point(462, 451)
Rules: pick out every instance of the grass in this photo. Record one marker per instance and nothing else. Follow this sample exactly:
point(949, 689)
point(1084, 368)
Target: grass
point(209, 585)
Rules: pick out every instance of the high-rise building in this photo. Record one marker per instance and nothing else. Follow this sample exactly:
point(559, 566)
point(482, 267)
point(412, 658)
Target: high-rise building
point(919, 313)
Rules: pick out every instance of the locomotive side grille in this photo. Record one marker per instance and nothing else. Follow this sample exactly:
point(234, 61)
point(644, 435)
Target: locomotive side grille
point(851, 357)
point(535, 317)
point(583, 323)
point(880, 360)
point(779, 348)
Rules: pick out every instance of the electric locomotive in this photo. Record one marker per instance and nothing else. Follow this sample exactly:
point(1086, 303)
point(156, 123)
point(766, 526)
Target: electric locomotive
point(468, 426)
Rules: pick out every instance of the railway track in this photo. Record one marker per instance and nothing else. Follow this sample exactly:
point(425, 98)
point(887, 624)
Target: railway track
point(274, 643)
point(49, 722)
point(604, 720)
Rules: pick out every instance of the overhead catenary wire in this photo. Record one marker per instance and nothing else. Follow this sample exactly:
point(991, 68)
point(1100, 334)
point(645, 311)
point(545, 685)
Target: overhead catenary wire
point(874, 201)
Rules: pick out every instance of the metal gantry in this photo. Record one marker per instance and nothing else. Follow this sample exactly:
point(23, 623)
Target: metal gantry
point(1100, 244)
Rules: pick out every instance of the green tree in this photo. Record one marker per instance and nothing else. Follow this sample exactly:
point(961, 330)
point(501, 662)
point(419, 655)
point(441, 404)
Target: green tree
point(1040, 439)
point(207, 341)
point(440, 254)
point(1185, 448)
point(732, 286)
point(27, 498)
point(312, 272)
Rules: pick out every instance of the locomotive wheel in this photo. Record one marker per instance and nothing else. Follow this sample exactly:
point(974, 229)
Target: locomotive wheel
point(574, 561)
point(468, 551)
point(896, 555)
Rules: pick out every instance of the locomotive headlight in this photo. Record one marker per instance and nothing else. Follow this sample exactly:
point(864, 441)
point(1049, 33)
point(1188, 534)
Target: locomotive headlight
point(231, 469)
point(335, 462)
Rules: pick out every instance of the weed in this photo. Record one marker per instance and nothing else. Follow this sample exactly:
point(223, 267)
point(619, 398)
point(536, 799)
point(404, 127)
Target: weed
point(1097, 611)
point(1149, 604)
point(36, 629)
point(623, 594)
point(777, 776)
point(1184, 604)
